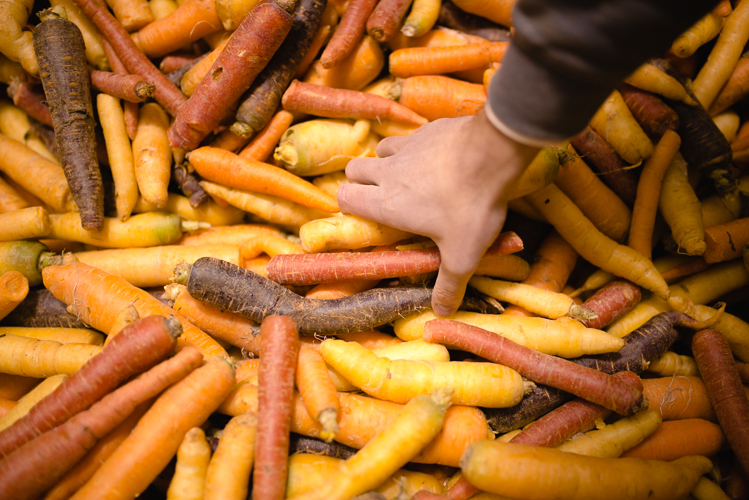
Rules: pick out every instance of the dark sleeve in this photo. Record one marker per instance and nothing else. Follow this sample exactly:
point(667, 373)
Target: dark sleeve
point(567, 56)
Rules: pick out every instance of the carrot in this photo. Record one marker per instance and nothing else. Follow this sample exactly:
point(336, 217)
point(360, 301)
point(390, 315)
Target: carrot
point(269, 244)
point(234, 234)
point(191, 21)
point(232, 170)
point(132, 14)
point(414, 61)
point(23, 256)
point(142, 230)
point(681, 208)
point(317, 391)
point(678, 438)
point(130, 109)
point(227, 286)
point(96, 297)
point(10, 199)
point(30, 98)
point(151, 154)
point(385, 19)
point(56, 40)
point(615, 123)
point(132, 88)
point(41, 309)
point(13, 387)
point(260, 101)
point(342, 103)
point(193, 456)
point(735, 88)
point(156, 438)
point(648, 193)
point(420, 421)
point(304, 269)
point(347, 232)
point(48, 457)
point(143, 344)
point(43, 358)
point(279, 347)
point(498, 11)
point(423, 16)
point(265, 140)
point(687, 268)
point(592, 385)
point(257, 37)
point(61, 335)
point(189, 78)
point(679, 397)
point(507, 469)
point(27, 401)
point(724, 388)
point(349, 32)
point(701, 32)
point(208, 212)
point(653, 115)
point(602, 157)
point(14, 123)
point(17, 44)
point(230, 466)
point(437, 96)
point(671, 363)
point(594, 246)
point(611, 301)
point(356, 71)
point(653, 77)
point(26, 223)
point(726, 241)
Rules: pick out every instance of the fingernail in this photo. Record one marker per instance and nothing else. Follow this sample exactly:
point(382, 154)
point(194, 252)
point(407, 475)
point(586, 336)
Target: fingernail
point(443, 311)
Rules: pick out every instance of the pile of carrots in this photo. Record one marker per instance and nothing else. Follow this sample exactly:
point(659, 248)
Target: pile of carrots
point(185, 313)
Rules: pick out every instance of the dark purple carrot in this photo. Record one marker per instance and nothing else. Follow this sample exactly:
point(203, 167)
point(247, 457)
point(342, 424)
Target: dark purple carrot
point(30, 98)
point(61, 53)
point(132, 88)
point(653, 115)
point(611, 301)
point(613, 169)
point(261, 100)
point(452, 16)
point(235, 289)
point(348, 33)
point(386, 18)
point(593, 385)
point(315, 446)
point(138, 347)
point(247, 52)
point(41, 309)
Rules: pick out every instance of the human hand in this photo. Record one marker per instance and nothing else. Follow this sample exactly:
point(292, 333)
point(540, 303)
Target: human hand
point(448, 181)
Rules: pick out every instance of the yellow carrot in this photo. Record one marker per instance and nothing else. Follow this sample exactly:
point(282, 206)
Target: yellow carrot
point(229, 469)
point(46, 387)
point(58, 334)
point(193, 455)
point(42, 358)
point(142, 230)
point(347, 232)
point(14, 287)
point(152, 154)
point(208, 211)
point(618, 127)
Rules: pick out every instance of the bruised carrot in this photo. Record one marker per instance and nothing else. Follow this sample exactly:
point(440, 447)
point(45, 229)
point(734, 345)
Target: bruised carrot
point(414, 61)
point(305, 269)
point(59, 46)
point(34, 467)
point(230, 287)
point(279, 347)
point(247, 52)
point(259, 102)
point(328, 102)
point(678, 397)
point(348, 33)
point(611, 301)
point(725, 390)
point(142, 344)
point(726, 241)
point(13, 289)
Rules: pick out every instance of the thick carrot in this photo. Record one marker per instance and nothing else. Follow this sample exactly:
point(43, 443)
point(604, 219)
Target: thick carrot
point(348, 33)
point(193, 456)
point(13, 289)
point(26, 223)
point(156, 438)
point(499, 11)
point(42, 309)
point(230, 467)
point(328, 102)
point(142, 344)
point(611, 301)
point(725, 390)
point(132, 88)
point(166, 93)
point(317, 391)
point(356, 71)
point(279, 347)
point(682, 209)
point(678, 438)
point(34, 467)
point(735, 88)
point(224, 167)
point(384, 20)
point(241, 291)
point(679, 397)
point(246, 53)
point(415, 61)
point(726, 241)
point(437, 96)
point(616, 124)
point(653, 115)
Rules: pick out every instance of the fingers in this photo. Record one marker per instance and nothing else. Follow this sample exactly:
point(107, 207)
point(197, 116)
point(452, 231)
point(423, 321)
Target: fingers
point(448, 292)
point(363, 170)
point(360, 200)
point(390, 145)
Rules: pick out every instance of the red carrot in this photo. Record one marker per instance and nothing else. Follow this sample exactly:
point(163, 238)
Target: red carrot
point(462, 490)
point(724, 389)
point(132, 88)
point(653, 115)
point(329, 102)
point(279, 347)
point(386, 18)
point(306, 269)
point(138, 347)
point(130, 109)
point(588, 383)
point(30, 98)
point(245, 55)
point(31, 469)
point(166, 93)
point(611, 301)
point(348, 33)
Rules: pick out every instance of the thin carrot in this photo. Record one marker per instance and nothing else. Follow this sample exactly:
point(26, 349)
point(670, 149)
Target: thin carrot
point(156, 438)
point(725, 390)
point(193, 456)
point(143, 344)
point(279, 347)
point(735, 88)
point(384, 20)
point(317, 391)
point(224, 167)
point(611, 301)
point(348, 33)
point(414, 61)
point(132, 88)
point(679, 397)
point(678, 438)
point(130, 109)
point(649, 191)
point(653, 115)
point(262, 145)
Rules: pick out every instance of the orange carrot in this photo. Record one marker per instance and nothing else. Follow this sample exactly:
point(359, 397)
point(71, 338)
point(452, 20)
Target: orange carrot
point(328, 102)
point(691, 266)
point(6, 405)
point(649, 191)
point(339, 289)
point(678, 397)
point(725, 390)
point(279, 347)
point(137, 348)
point(156, 438)
point(31, 469)
point(414, 61)
point(13, 289)
point(356, 71)
point(13, 387)
point(224, 167)
point(265, 141)
point(678, 438)
point(317, 391)
point(348, 33)
point(588, 383)
point(436, 96)
point(385, 18)
point(726, 241)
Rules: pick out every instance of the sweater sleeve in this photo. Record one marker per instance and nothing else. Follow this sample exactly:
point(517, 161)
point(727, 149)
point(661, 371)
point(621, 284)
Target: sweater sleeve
point(567, 56)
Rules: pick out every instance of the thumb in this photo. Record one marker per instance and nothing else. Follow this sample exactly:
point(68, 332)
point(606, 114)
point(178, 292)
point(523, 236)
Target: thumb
point(450, 287)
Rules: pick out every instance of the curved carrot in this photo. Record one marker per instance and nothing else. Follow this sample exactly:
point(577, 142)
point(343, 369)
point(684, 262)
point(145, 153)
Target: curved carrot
point(611, 301)
point(679, 397)
point(262, 145)
point(348, 32)
point(678, 438)
point(385, 19)
point(317, 391)
point(13, 289)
